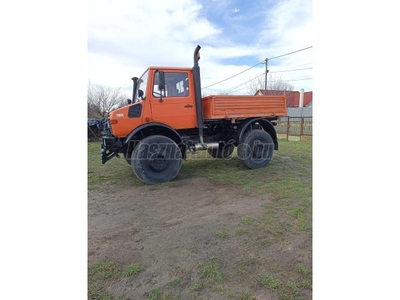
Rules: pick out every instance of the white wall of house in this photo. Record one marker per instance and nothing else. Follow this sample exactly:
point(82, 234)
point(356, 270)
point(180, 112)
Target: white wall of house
point(299, 111)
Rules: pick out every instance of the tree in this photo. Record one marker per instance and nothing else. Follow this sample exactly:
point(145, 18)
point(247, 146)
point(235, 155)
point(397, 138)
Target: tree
point(102, 100)
point(274, 84)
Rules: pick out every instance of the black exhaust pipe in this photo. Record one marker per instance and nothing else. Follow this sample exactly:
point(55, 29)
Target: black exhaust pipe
point(197, 88)
point(135, 82)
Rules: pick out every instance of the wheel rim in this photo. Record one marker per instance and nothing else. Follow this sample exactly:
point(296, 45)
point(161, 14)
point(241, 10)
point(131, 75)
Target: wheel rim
point(260, 150)
point(157, 161)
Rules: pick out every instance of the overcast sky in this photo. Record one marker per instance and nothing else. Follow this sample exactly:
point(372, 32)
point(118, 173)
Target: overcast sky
point(127, 36)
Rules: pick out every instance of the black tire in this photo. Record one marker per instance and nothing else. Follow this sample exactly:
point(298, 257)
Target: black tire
point(223, 151)
point(256, 150)
point(156, 159)
point(128, 152)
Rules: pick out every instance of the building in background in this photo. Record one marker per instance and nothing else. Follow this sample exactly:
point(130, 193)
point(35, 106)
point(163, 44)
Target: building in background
point(296, 106)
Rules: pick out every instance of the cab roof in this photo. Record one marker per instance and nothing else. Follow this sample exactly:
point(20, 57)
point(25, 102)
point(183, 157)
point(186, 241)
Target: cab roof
point(171, 68)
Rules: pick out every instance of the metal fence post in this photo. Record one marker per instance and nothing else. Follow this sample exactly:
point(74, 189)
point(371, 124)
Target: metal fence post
point(287, 128)
point(301, 127)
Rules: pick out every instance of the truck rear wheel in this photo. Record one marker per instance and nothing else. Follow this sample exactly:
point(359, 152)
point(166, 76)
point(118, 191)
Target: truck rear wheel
point(256, 150)
point(223, 151)
point(156, 159)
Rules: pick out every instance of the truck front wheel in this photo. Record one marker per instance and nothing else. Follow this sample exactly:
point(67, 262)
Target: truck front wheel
point(156, 159)
point(256, 150)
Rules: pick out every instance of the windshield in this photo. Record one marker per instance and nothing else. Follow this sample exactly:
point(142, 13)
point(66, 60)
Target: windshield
point(142, 85)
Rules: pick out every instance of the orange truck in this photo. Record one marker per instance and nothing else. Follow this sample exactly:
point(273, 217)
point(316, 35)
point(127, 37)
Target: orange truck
point(167, 118)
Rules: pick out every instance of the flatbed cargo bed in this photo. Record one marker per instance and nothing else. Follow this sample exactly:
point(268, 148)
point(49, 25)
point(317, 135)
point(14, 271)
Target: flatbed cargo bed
point(236, 107)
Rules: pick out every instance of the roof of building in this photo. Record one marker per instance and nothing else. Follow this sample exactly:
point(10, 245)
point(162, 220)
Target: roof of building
point(292, 97)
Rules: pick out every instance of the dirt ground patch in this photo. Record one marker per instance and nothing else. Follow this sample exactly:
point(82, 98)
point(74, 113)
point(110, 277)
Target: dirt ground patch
point(194, 239)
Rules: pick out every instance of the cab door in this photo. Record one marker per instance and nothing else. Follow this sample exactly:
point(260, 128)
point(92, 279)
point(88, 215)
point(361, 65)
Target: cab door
point(174, 105)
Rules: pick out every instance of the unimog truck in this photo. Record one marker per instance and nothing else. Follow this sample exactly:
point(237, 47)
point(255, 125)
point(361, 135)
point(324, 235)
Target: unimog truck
point(167, 118)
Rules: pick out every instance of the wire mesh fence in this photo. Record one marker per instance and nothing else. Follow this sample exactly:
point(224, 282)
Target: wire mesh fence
point(294, 128)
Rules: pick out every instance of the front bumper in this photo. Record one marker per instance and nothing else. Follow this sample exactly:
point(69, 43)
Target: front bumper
point(111, 146)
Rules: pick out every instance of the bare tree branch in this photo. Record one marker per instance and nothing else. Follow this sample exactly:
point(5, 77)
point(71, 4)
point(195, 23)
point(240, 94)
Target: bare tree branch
point(102, 100)
point(254, 85)
point(279, 84)
point(274, 84)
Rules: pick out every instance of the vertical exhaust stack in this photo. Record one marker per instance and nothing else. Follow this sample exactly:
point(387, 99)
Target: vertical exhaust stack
point(135, 82)
point(199, 107)
point(301, 100)
point(197, 88)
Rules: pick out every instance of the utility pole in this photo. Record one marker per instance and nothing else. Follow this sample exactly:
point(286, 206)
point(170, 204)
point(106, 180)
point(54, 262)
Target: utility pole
point(266, 72)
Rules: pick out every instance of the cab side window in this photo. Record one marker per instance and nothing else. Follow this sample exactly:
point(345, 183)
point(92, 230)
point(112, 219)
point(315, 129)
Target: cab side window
point(176, 85)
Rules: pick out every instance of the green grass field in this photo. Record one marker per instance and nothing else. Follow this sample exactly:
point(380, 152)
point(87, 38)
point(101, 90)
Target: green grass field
point(287, 180)
point(282, 179)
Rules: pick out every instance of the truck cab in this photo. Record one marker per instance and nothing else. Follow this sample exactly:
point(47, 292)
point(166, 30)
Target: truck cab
point(172, 103)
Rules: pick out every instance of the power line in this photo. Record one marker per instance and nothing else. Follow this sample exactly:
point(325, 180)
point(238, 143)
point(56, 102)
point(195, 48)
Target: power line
point(255, 66)
point(298, 79)
point(231, 89)
point(290, 53)
point(310, 63)
point(242, 89)
point(238, 86)
point(233, 76)
point(290, 70)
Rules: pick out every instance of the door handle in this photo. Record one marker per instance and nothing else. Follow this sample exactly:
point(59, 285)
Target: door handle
point(188, 106)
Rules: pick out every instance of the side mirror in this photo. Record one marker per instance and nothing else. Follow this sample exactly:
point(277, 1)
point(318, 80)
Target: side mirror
point(140, 94)
point(161, 80)
point(129, 101)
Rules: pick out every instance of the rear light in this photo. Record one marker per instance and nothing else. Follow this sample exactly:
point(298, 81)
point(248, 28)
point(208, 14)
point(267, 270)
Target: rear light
point(113, 121)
